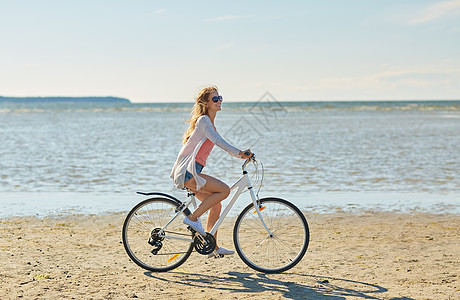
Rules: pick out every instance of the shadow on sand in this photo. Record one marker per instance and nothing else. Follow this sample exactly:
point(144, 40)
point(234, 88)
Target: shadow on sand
point(296, 286)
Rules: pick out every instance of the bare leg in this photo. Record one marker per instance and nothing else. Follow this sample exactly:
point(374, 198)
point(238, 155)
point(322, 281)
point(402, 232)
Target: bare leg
point(203, 194)
point(214, 212)
point(218, 192)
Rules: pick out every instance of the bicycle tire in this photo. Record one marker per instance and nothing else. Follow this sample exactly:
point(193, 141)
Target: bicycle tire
point(284, 249)
point(138, 227)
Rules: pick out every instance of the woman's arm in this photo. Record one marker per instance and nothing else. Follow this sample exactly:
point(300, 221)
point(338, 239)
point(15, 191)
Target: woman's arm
point(204, 123)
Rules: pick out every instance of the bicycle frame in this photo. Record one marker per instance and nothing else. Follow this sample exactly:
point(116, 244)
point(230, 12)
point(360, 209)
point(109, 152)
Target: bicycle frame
point(239, 186)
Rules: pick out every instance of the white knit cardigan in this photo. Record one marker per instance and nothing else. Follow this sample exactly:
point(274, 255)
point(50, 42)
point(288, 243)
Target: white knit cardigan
point(186, 159)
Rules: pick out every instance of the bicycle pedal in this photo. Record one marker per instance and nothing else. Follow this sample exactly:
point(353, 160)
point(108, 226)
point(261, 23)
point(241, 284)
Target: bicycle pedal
point(212, 255)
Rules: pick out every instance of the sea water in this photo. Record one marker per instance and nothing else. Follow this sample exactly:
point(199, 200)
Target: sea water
point(92, 158)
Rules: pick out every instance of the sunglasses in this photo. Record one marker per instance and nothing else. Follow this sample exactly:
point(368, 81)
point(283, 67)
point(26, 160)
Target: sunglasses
point(217, 98)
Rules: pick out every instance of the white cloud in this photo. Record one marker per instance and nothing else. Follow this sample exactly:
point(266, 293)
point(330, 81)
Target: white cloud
point(252, 17)
point(436, 11)
point(224, 47)
point(271, 18)
point(223, 18)
point(392, 79)
point(159, 11)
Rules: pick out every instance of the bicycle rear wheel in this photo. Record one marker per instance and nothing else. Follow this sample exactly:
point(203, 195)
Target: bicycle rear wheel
point(276, 253)
point(146, 245)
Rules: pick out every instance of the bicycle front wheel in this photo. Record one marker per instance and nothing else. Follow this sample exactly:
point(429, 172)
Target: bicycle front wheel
point(144, 242)
point(277, 252)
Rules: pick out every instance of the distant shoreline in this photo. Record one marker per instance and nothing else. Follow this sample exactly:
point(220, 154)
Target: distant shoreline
point(120, 100)
point(302, 101)
point(63, 99)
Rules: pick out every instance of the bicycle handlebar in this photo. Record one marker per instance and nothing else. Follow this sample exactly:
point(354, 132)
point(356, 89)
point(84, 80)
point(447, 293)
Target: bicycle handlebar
point(253, 158)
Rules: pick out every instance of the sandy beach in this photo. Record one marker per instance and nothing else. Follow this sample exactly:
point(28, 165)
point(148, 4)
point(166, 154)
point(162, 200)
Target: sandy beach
point(372, 255)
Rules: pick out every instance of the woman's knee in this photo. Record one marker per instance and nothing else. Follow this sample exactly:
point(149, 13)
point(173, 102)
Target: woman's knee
point(225, 190)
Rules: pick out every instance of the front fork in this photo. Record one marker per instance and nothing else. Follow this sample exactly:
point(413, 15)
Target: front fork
point(257, 205)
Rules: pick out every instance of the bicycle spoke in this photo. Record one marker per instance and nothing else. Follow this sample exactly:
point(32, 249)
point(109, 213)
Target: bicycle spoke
point(145, 246)
point(275, 253)
point(260, 244)
point(141, 223)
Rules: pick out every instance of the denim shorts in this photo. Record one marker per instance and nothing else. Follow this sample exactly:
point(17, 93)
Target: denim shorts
point(188, 175)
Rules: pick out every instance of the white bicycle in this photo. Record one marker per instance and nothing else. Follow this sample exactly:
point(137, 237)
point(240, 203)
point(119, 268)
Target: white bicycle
point(271, 235)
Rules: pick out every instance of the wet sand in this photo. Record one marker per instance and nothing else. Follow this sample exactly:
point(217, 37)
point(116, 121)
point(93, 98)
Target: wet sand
point(373, 255)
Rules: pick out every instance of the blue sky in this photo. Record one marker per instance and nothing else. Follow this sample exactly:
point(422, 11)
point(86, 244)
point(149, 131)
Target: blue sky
point(156, 51)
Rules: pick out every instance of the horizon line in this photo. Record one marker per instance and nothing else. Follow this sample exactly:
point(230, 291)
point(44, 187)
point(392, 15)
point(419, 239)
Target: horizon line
point(286, 101)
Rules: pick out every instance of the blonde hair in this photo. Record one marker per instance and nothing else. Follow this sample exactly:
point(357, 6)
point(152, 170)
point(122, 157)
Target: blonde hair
point(199, 109)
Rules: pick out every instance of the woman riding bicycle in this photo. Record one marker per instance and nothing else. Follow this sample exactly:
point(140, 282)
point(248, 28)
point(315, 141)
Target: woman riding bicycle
point(198, 141)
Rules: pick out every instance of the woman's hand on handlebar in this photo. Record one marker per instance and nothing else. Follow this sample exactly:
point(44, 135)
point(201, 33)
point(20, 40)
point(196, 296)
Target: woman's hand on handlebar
point(246, 154)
